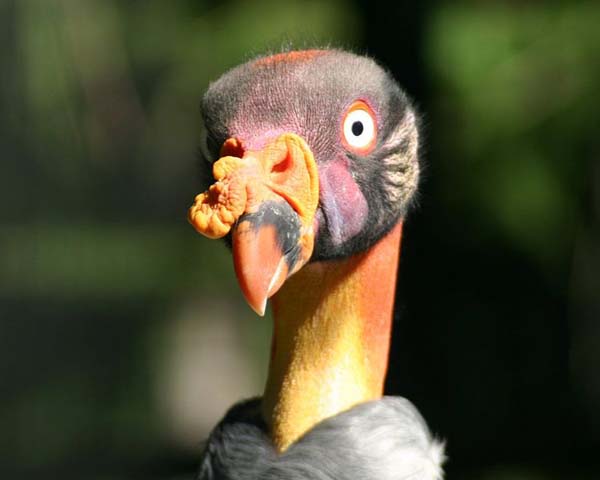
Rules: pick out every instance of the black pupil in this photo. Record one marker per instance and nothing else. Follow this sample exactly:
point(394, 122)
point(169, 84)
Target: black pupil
point(357, 128)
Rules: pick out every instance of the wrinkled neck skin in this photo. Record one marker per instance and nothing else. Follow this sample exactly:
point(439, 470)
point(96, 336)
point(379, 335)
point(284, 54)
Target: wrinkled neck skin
point(331, 339)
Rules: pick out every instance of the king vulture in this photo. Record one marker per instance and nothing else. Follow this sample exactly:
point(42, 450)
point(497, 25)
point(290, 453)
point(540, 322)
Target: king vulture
point(314, 161)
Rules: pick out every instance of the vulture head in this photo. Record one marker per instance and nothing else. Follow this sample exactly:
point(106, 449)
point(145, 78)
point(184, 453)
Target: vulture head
point(350, 116)
point(311, 160)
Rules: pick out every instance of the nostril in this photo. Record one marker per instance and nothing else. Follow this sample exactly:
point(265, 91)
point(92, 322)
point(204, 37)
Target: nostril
point(232, 147)
point(284, 165)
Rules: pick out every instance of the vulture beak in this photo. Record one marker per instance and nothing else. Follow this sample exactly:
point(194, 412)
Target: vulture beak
point(268, 199)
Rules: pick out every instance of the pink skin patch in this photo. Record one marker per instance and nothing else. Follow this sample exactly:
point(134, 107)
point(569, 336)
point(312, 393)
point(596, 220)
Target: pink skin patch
point(344, 205)
point(259, 139)
point(289, 57)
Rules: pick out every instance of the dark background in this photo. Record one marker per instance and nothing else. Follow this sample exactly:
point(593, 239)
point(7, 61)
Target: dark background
point(123, 336)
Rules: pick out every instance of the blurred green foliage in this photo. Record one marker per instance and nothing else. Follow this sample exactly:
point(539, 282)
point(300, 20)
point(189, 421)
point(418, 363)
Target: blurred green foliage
point(99, 272)
point(516, 89)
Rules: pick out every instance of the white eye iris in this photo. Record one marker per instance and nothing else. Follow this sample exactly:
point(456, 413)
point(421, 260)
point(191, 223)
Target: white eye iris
point(359, 128)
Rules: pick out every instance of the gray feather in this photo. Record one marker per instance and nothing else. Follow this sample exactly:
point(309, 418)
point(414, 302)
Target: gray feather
point(385, 439)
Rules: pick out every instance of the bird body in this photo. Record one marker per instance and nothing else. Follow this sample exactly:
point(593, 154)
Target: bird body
point(314, 157)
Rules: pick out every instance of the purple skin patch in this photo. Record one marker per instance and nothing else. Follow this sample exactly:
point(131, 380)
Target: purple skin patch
point(342, 203)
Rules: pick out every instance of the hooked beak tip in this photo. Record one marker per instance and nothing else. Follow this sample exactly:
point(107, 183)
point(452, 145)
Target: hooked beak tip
point(260, 311)
point(259, 262)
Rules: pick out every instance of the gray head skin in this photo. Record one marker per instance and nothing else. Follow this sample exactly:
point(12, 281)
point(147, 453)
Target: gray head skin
point(386, 439)
point(362, 196)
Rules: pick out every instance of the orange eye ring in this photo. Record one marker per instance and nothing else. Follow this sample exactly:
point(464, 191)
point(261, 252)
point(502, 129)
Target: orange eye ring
point(359, 128)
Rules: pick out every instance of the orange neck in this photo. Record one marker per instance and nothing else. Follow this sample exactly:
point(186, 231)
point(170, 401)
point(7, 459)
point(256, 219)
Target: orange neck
point(331, 339)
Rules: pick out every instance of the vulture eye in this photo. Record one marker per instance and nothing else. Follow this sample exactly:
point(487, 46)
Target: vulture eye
point(359, 129)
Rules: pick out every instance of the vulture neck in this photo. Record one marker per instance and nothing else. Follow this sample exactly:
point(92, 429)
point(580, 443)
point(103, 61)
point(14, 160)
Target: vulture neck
point(331, 339)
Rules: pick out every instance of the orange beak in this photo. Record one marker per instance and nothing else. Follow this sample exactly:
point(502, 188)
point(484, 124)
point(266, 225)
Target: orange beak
point(267, 199)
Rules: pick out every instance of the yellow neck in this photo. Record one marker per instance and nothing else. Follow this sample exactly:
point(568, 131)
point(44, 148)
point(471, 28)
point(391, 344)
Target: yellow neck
point(331, 339)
